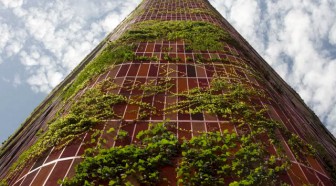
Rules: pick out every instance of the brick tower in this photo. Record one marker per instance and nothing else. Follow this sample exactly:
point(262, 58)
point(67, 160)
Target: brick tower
point(173, 96)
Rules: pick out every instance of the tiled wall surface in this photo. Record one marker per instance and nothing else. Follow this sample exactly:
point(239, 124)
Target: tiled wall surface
point(185, 73)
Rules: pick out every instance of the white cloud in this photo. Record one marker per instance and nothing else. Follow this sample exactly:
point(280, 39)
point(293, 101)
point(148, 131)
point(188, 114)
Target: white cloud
point(39, 82)
point(52, 37)
point(245, 16)
point(295, 33)
point(5, 35)
point(111, 21)
point(13, 48)
point(54, 78)
point(11, 3)
point(30, 59)
point(11, 42)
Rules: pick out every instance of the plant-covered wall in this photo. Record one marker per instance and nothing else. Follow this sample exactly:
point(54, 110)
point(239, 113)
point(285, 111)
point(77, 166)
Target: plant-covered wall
point(172, 97)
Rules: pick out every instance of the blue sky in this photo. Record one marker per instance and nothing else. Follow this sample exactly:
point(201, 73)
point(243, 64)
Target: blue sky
point(42, 41)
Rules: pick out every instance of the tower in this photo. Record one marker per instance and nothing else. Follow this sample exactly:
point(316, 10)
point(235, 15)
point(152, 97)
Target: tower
point(174, 95)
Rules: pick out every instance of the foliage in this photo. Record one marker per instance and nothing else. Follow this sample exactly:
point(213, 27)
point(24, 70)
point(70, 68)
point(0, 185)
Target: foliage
point(3, 183)
point(146, 58)
point(121, 135)
point(298, 146)
point(199, 35)
point(154, 87)
point(214, 159)
point(130, 164)
point(231, 101)
point(209, 159)
point(229, 104)
point(111, 55)
point(92, 108)
point(206, 159)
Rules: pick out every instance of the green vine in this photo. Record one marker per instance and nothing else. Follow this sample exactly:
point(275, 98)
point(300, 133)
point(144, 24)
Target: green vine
point(113, 54)
point(121, 135)
point(154, 87)
point(300, 147)
point(231, 101)
point(231, 104)
point(198, 35)
point(209, 159)
point(216, 159)
point(146, 58)
point(92, 108)
point(130, 164)
point(212, 158)
point(3, 183)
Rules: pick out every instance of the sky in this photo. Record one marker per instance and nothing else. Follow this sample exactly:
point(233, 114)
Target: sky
point(42, 41)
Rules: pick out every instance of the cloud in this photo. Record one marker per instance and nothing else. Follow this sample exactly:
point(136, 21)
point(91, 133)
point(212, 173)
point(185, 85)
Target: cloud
point(244, 15)
point(11, 3)
point(5, 35)
point(50, 38)
point(298, 40)
point(11, 42)
point(13, 48)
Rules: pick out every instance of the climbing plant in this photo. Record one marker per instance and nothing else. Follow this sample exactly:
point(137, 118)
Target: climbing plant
point(212, 158)
point(232, 101)
point(127, 165)
point(226, 159)
point(92, 108)
point(154, 87)
point(198, 35)
point(3, 183)
point(111, 55)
